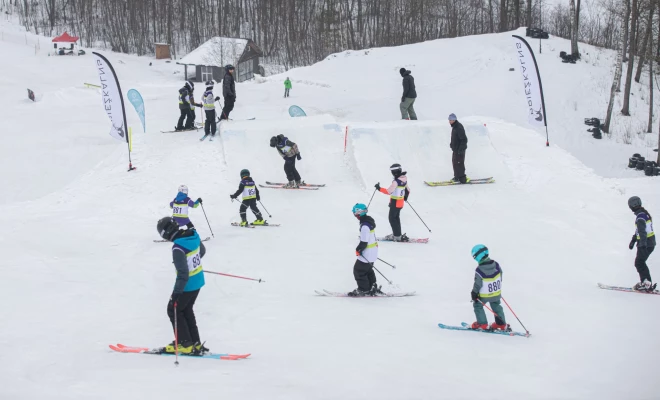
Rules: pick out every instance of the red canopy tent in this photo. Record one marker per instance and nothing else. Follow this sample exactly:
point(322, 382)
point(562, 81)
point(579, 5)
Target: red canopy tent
point(65, 38)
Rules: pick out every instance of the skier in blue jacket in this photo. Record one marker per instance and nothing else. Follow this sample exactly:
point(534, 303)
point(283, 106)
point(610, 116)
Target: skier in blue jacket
point(487, 288)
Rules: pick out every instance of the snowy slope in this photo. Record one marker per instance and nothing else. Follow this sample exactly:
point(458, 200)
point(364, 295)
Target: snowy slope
point(80, 269)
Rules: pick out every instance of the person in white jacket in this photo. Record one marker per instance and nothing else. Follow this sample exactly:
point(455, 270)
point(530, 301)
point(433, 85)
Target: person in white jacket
point(209, 109)
point(367, 254)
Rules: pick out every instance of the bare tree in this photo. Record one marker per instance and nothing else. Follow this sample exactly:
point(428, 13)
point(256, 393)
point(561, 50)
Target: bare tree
point(617, 78)
point(632, 37)
point(504, 26)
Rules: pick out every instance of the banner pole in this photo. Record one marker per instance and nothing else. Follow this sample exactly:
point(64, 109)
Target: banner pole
point(130, 148)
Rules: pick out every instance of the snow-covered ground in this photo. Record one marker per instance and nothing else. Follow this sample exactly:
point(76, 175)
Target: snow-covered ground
point(80, 270)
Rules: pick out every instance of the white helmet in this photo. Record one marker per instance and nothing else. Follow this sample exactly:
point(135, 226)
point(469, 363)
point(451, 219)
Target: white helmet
point(183, 189)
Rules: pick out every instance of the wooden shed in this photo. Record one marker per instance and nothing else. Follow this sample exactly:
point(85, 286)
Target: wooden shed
point(208, 60)
point(162, 51)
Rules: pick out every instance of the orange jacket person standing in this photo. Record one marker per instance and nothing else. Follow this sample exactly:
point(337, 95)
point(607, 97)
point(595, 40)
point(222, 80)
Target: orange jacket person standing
point(398, 192)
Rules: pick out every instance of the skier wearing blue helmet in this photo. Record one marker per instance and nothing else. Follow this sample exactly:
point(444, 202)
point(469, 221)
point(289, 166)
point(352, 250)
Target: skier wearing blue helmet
point(367, 254)
point(487, 288)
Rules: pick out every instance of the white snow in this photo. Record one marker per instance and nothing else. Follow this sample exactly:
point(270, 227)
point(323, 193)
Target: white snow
point(80, 270)
point(217, 51)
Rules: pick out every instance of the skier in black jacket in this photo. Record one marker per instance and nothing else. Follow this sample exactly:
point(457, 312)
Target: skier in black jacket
point(185, 106)
point(228, 91)
point(409, 95)
point(645, 238)
point(458, 146)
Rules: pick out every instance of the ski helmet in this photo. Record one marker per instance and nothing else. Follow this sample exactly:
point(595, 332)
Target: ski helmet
point(190, 85)
point(634, 203)
point(480, 253)
point(273, 141)
point(183, 189)
point(359, 210)
point(167, 227)
point(229, 67)
point(245, 172)
point(396, 170)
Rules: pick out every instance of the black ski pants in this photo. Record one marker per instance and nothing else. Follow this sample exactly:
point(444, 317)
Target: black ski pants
point(364, 275)
point(191, 118)
point(209, 124)
point(643, 254)
point(395, 218)
point(458, 162)
point(187, 325)
point(290, 169)
point(252, 203)
point(185, 113)
point(229, 105)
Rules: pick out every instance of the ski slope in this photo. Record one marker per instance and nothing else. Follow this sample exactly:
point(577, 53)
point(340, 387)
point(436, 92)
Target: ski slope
point(80, 269)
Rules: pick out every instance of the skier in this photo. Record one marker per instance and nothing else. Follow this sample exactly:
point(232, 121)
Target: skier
point(367, 254)
point(287, 87)
point(209, 109)
point(228, 91)
point(487, 289)
point(184, 106)
point(180, 206)
point(398, 192)
point(409, 95)
point(250, 197)
point(289, 152)
point(191, 113)
point(187, 253)
point(645, 239)
point(458, 146)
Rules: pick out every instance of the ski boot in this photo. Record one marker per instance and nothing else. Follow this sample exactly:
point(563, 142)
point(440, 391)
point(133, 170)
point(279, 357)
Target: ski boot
point(300, 183)
point(454, 180)
point(402, 238)
point(477, 326)
point(260, 222)
point(291, 185)
point(243, 223)
point(500, 327)
point(184, 348)
point(375, 290)
point(389, 237)
point(359, 293)
point(200, 349)
point(644, 286)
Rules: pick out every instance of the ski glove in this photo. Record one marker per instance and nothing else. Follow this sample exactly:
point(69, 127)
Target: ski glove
point(175, 298)
point(233, 197)
point(298, 157)
point(199, 200)
point(377, 186)
point(403, 99)
point(632, 242)
point(475, 296)
point(217, 98)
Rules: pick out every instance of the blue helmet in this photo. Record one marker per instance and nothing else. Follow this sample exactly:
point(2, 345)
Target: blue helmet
point(480, 253)
point(359, 210)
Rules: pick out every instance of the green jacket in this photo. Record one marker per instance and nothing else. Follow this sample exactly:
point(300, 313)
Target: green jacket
point(287, 84)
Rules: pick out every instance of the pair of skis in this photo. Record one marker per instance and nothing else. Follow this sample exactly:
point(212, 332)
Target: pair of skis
point(410, 240)
point(627, 289)
point(327, 293)
point(163, 240)
point(184, 130)
point(302, 186)
point(475, 181)
point(120, 348)
point(466, 327)
point(238, 224)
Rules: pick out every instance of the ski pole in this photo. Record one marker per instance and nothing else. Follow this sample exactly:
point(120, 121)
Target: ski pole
point(207, 220)
point(381, 274)
point(385, 262)
point(372, 197)
point(514, 314)
point(235, 276)
point(262, 204)
point(176, 338)
point(420, 218)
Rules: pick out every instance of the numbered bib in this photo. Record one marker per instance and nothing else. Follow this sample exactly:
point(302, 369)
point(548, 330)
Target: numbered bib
point(492, 287)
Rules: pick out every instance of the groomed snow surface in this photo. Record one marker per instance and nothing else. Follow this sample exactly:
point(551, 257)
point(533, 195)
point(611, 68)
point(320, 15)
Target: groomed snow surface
point(80, 269)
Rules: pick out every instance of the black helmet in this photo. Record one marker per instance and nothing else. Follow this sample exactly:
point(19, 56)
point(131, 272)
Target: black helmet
point(634, 203)
point(190, 85)
point(273, 141)
point(245, 172)
point(396, 170)
point(229, 67)
point(167, 227)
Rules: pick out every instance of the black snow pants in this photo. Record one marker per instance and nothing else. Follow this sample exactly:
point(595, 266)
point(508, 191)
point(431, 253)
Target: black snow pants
point(395, 218)
point(229, 105)
point(187, 325)
point(290, 169)
point(458, 162)
point(209, 124)
point(364, 275)
point(185, 113)
point(643, 254)
point(252, 203)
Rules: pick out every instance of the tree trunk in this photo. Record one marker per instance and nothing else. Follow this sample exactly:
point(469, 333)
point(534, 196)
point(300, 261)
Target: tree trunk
point(626, 19)
point(503, 16)
point(649, 128)
point(490, 16)
point(629, 70)
point(647, 51)
point(573, 15)
point(528, 16)
point(516, 6)
point(617, 78)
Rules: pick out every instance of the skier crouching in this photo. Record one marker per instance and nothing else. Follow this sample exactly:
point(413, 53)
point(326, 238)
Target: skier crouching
point(288, 150)
point(250, 196)
point(487, 289)
point(187, 253)
point(367, 254)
